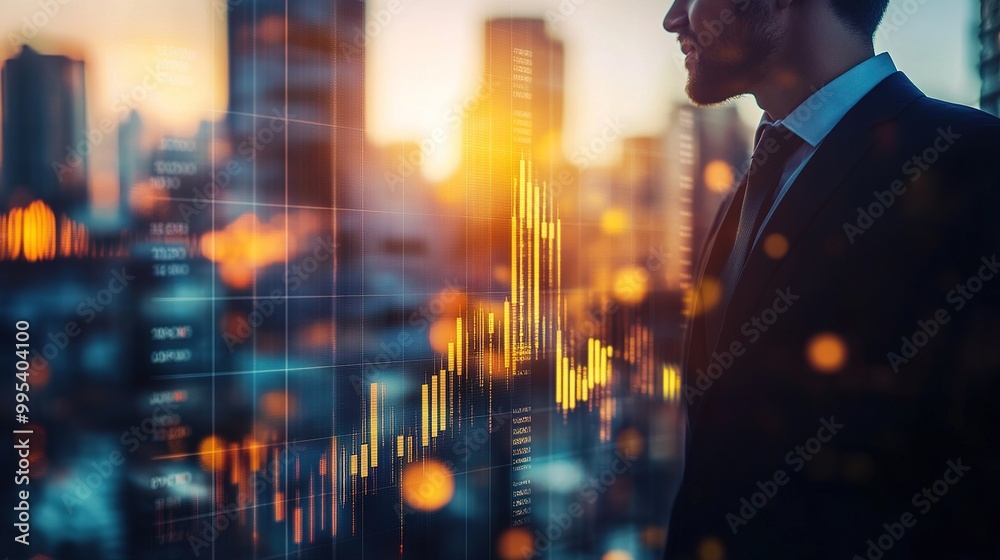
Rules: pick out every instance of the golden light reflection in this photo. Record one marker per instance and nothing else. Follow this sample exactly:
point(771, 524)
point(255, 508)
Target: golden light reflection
point(711, 548)
point(318, 334)
point(39, 239)
point(826, 352)
point(776, 246)
point(451, 192)
point(13, 231)
point(31, 233)
point(244, 246)
point(631, 443)
point(212, 453)
point(146, 200)
point(631, 285)
point(427, 485)
point(705, 297)
point(671, 383)
point(442, 333)
point(616, 555)
point(614, 221)
point(515, 544)
point(718, 176)
point(653, 536)
point(274, 403)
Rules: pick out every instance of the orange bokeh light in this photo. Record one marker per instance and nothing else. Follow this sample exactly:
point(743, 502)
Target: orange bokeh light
point(614, 221)
point(428, 485)
point(776, 246)
point(826, 352)
point(711, 548)
point(631, 285)
point(273, 404)
point(31, 233)
point(441, 333)
point(631, 443)
point(244, 246)
point(718, 176)
point(706, 296)
point(515, 544)
point(212, 453)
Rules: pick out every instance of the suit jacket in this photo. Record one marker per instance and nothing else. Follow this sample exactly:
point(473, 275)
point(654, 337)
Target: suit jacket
point(850, 406)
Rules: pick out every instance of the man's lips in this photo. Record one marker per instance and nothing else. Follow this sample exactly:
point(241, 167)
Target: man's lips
point(689, 54)
point(690, 51)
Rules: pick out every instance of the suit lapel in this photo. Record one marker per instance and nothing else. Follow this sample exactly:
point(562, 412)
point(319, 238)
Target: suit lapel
point(716, 250)
point(836, 156)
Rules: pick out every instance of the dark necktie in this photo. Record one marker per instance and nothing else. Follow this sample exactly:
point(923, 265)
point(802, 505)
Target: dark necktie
point(775, 146)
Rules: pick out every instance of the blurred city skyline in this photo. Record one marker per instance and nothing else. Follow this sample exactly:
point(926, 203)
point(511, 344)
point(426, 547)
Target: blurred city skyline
point(427, 247)
point(620, 64)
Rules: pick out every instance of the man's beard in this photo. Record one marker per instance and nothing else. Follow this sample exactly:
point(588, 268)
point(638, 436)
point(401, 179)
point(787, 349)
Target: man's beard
point(734, 62)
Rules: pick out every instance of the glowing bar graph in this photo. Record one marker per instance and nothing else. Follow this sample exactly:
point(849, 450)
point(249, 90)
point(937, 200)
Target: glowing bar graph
point(535, 325)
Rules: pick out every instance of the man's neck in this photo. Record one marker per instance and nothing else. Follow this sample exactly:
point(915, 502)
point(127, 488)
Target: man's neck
point(799, 76)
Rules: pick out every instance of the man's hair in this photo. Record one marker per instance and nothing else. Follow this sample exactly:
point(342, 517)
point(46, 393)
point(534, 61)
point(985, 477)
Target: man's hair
point(862, 16)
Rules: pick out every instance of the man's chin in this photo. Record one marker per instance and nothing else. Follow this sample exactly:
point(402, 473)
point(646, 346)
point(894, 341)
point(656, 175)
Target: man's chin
point(706, 90)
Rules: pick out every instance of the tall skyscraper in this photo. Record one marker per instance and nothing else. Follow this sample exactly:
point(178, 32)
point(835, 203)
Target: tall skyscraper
point(989, 66)
point(45, 144)
point(132, 162)
point(518, 114)
point(707, 148)
point(295, 118)
point(307, 58)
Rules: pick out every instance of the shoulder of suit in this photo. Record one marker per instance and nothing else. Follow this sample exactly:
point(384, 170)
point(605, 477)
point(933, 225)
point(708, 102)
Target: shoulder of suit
point(938, 113)
point(957, 131)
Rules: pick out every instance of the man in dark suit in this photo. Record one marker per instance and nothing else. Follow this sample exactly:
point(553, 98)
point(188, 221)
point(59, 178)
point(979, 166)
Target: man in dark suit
point(842, 362)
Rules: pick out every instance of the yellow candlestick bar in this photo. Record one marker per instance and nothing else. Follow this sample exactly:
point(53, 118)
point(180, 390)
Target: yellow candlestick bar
point(591, 359)
point(400, 442)
point(513, 259)
point(530, 216)
point(425, 432)
point(604, 366)
point(354, 464)
point(573, 382)
point(536, 273)
point(459, 343)
point(297, 525)
point(537, 192)
point(373, 421)
point(334, 464)
point(559, 361)
point(564, 374)
point(443, 400)
point(434, 406)
point(364, 460)
point(451, 356)
point(559, 271)
point(522, 184)
point(506, 334)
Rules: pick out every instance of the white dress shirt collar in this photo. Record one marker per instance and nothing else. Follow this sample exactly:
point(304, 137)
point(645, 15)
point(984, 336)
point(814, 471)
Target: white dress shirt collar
point(816, 116)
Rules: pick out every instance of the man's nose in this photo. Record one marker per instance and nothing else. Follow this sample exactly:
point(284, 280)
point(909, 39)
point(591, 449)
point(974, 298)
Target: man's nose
point(676, 20)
